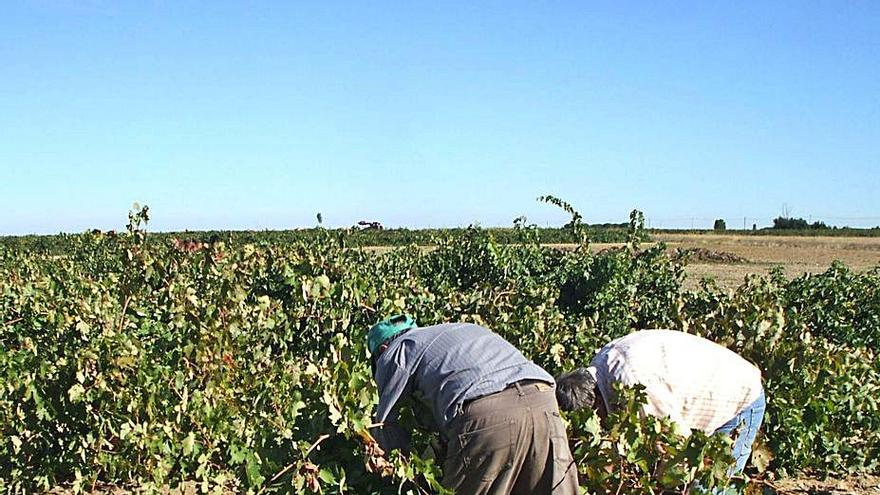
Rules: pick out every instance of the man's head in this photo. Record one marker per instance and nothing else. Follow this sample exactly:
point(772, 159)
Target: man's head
point(386, 330)
point(576, 390)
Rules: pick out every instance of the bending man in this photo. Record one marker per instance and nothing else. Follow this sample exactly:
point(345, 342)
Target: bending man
point(697, 383)
point(496, 409)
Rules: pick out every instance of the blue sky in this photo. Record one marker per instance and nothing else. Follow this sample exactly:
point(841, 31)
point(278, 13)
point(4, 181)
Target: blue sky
point(251, 115)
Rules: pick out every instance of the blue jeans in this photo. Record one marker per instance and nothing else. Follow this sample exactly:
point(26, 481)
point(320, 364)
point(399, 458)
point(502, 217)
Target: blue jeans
point(750, 418)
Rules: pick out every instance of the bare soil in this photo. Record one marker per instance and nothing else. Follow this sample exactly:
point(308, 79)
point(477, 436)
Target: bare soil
point(858, 485)
point(758, 254)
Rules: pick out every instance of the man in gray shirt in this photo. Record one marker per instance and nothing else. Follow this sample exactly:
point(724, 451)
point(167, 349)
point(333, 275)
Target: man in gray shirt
point(496, 409)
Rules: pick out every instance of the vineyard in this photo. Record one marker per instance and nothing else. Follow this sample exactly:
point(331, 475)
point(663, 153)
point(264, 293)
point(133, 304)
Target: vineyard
point(239, 363)
point(59, 244)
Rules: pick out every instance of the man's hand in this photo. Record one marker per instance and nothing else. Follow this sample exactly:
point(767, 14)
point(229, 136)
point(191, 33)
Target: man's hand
point(375, 457)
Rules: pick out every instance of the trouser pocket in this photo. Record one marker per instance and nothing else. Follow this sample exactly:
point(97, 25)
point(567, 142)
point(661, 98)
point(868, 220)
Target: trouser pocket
point(484, 452)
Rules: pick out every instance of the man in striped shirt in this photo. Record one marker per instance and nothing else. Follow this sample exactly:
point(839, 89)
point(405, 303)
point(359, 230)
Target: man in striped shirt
point(696, 383)
point(496, 409)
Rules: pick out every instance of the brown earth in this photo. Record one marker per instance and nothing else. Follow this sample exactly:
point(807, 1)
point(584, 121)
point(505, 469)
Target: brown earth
point(857, 484)
point(796, 255)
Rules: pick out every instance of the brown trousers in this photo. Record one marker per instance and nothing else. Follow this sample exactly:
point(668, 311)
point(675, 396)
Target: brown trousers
point(511, 442)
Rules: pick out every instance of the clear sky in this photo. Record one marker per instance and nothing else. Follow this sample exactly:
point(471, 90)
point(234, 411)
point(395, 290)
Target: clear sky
point(251, 115)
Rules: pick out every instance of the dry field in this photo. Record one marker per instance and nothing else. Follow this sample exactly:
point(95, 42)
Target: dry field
point(797, 255)
point(850, 485)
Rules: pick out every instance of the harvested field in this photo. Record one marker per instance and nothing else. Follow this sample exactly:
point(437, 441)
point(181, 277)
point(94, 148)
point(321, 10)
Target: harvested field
point(797, 255)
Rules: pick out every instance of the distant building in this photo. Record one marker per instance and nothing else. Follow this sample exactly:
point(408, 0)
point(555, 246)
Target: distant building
point(366, 225)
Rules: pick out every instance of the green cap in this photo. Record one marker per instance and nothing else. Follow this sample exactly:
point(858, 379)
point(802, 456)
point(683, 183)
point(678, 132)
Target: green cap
point(385, 329)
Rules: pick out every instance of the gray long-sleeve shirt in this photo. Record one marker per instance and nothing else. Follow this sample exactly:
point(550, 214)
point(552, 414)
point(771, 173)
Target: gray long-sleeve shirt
point(447, 364)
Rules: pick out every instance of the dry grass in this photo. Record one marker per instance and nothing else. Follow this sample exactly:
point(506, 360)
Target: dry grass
point(796, 255)
point(851, 485)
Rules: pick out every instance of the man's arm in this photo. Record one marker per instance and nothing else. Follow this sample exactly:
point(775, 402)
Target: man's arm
point(393, 382)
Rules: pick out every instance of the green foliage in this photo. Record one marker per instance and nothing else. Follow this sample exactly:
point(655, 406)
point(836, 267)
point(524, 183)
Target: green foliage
point(633, 453)
point(720, 225)
point(136, 360)
point(576, 225)
point(822, 411)
point(839, 305)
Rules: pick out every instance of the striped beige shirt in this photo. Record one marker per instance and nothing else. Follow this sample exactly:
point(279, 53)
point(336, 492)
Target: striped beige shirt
point(697, 383)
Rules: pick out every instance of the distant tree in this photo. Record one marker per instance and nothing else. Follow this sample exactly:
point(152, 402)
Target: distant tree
point(320, 218)
point(783, 223)
point(720, 224)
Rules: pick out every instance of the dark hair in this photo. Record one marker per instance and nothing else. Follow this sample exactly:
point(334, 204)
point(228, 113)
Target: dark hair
point(576, 390)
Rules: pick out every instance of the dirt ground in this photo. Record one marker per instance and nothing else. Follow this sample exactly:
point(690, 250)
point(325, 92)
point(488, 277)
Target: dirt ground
point(797, 255)
point(857, 485)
